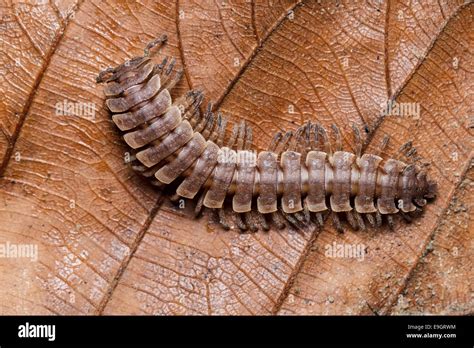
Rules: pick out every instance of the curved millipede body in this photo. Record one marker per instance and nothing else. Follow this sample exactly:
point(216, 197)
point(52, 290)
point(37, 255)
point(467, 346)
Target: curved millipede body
point(301, 177)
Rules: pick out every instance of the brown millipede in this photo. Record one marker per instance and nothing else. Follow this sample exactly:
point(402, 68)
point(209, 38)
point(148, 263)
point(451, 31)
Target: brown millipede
point(300, 178)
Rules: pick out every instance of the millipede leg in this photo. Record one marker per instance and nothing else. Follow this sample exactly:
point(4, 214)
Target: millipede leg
point(357, 140)
point(208, 128)
point(378, 219)
point(221, 131)
point(383, 145)
point(196, 96)
point(248, 218)
point(302, 144)
point(306, 212)
point(406, 217)
point(188, 99)
point(188, 104)
point(248, 138)
point(351, 220)
point(199, 204)
point(158, 68)
point(202, 123)
point(241, 136)
point(170, 67)
point(296, 140)
point(233, 137)
point(294, 222)
point(370, 219)
point(282, 145)
point(161, 69)
point(277, 220)
point(199, 98)
point(418, 159)
point(156, 42)
point(300, 217)
point(218, 129)
point(320, 219)
point(360, 220)
point(193, 116)
point(337, 222)
point(291, 219)
point(215, 130)
point(390, 222)
point(240, 224)
point(206, 123)
point(172, 82)
point(314, 137)
point(337, 133)
point(410, 153)
point(165, 72)
point(167, 81)
point(222, 219)
point(403, 149)
point(326, 142)
point(275, 141)
point(307, 138)
point(416, 213)
point(262, 221)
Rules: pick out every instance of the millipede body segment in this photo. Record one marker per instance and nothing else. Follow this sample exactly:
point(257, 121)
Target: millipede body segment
point(300, 178)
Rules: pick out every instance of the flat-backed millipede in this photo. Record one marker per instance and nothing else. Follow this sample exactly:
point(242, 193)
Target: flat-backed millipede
point(300, 178)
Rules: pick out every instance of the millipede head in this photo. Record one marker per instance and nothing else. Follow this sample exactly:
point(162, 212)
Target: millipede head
point(426, 190)
point(118, 73)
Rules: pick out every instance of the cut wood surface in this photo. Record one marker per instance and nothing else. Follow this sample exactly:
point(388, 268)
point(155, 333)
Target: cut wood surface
point(110, 243)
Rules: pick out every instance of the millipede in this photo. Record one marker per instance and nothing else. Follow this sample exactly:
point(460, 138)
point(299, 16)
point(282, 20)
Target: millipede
point(303, 177)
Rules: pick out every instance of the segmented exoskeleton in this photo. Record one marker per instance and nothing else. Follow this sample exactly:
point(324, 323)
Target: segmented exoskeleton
point(301, 177)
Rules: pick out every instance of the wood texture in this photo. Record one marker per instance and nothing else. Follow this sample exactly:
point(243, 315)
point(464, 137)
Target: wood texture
point(109, 244)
